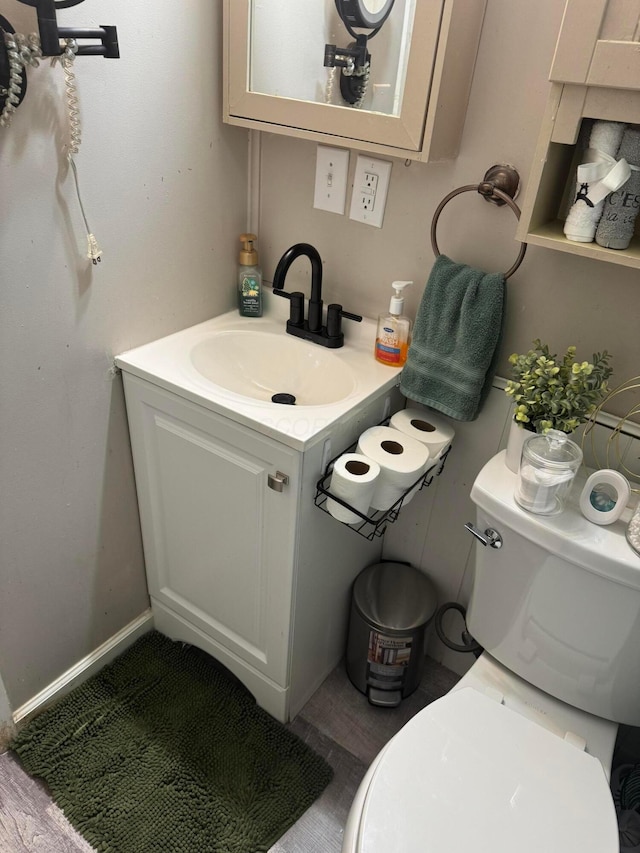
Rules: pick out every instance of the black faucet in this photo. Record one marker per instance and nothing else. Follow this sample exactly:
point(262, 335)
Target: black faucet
point(311, 329)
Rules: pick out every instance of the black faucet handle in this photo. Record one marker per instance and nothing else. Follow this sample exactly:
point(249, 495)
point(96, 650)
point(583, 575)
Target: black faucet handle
point(278, 292)
point(296, 309)
point(349, 316)
point(334, 319)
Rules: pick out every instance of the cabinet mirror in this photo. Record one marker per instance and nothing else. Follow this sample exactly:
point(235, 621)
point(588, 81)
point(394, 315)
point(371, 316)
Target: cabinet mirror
point(349, 53)
point(370, 73)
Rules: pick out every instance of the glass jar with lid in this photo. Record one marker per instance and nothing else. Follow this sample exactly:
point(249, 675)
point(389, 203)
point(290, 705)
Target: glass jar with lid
point(633, 530)
point(547, 469)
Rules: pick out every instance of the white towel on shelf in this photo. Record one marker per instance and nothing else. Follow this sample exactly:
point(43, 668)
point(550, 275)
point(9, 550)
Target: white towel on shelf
point(597, 176)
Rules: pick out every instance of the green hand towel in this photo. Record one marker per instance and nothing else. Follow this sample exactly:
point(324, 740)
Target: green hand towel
point(458, 327)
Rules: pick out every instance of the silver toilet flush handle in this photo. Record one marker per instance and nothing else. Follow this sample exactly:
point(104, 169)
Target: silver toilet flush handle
point(489, 537)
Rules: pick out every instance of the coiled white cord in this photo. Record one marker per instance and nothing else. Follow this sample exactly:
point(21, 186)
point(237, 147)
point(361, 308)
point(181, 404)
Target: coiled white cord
point(21, 51)
point(66, 59)
point(364, 83)
point(328, 92)
point(362, 75)
point(26, 50)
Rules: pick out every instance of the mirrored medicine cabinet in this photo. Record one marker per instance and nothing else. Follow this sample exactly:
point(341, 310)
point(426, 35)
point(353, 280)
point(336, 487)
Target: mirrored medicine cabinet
point(386, 76)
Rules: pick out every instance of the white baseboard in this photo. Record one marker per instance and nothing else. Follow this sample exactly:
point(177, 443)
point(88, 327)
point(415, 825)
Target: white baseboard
point(86, 667)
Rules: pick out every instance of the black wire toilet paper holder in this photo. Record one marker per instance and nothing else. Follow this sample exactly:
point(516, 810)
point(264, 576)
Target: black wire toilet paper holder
point(375, 524)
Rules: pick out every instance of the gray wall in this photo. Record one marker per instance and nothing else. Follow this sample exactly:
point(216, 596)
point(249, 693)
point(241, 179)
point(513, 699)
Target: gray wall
point(554, 296)
point(559, 298)
point(164, 185)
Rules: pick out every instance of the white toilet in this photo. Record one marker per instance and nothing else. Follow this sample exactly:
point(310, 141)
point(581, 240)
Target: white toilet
point(517, 756)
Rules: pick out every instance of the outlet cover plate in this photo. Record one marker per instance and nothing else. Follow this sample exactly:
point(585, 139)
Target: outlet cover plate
point(332, 170)
point(370, 188)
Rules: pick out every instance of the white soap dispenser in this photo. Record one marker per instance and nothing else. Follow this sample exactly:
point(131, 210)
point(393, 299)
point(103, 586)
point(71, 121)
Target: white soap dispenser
point(394, 330)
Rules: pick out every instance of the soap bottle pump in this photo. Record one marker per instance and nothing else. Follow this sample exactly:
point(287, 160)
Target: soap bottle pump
point(249, 279)
point(394, 330)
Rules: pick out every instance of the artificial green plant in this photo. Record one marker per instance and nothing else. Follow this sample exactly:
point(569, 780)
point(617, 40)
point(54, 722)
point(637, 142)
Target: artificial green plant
point(551, 393)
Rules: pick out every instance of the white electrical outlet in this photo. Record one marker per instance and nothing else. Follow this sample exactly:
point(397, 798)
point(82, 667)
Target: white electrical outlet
point(332, 169)
point(370, 188)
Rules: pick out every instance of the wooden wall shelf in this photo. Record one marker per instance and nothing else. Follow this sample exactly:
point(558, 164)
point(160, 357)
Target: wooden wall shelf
point(595, 75)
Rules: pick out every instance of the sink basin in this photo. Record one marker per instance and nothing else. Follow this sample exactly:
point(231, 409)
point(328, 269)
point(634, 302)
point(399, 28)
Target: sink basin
point(258, 364)
point(234, 365)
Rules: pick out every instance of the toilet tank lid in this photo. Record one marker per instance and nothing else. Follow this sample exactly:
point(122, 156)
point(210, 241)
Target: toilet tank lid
point(467, 773)
point(603, 550)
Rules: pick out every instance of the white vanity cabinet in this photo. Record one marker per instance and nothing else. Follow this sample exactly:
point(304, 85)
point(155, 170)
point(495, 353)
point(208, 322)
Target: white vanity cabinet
point(422, 62)
point(239, 560)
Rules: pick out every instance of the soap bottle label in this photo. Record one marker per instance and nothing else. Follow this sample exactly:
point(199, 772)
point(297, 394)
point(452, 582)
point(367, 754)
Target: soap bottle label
point(250, 295)
point(388, 347)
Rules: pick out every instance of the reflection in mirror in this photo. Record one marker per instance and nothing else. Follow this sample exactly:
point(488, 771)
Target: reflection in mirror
point(322, 51)
point(354, 60)
point(370, 14)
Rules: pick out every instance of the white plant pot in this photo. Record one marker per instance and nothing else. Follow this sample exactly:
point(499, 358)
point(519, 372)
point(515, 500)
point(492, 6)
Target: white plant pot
point(515, 440)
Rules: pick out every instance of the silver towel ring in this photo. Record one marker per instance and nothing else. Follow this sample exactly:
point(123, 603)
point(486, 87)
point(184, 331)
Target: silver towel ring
point(489, 189)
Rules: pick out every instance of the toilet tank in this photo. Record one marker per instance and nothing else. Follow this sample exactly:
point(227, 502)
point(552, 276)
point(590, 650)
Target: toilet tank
point(559, 602)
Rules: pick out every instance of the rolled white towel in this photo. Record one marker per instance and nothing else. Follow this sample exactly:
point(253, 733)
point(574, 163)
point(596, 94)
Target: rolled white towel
point(597, 177)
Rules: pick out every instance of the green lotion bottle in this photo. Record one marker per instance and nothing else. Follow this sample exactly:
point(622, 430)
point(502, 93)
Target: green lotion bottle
point(249, 279)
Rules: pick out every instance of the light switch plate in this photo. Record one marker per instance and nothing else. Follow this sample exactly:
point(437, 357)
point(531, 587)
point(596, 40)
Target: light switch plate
point(332, 169)
point(370, 188)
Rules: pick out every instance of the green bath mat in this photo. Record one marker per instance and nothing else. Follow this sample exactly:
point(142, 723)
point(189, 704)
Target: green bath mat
point(163, 751)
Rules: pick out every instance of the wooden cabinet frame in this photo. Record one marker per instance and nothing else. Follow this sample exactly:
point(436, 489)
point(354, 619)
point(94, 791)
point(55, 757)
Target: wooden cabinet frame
point(442, 56)
point(598, 44)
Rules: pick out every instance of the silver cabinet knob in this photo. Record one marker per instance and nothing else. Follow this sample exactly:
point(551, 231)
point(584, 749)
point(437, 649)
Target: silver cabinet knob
point(277, 481)
point(490, 536)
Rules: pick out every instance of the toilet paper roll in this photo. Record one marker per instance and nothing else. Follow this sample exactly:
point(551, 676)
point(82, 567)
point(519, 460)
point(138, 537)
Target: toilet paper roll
point(425, 426)
point(353, 479)
point(402, 461)
point(604, 496)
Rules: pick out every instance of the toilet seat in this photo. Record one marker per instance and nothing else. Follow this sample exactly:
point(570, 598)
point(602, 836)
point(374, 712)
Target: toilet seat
point(468, 774)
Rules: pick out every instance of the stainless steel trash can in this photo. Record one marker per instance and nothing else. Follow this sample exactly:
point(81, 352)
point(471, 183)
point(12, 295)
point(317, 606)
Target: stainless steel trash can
point(392, 606)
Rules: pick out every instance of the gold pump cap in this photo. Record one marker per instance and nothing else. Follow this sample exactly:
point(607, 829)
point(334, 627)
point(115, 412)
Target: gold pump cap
point(248, 255)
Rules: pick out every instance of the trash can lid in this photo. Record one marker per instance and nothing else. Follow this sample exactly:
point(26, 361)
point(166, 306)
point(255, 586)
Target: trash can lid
point(394, 596)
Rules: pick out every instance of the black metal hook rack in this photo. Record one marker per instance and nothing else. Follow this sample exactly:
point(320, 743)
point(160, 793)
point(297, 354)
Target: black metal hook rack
point(374, 525)
point(51, 33)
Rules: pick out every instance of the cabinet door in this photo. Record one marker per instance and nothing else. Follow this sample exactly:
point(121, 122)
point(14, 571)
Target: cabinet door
point(599, 44)
point(422, 63)
point(219, 542)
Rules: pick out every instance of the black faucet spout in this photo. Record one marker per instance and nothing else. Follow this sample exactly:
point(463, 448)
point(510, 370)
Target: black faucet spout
point(315, 302)
point(310, 329)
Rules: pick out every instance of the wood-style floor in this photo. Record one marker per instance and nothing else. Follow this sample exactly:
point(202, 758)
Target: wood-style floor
point(337, 722)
